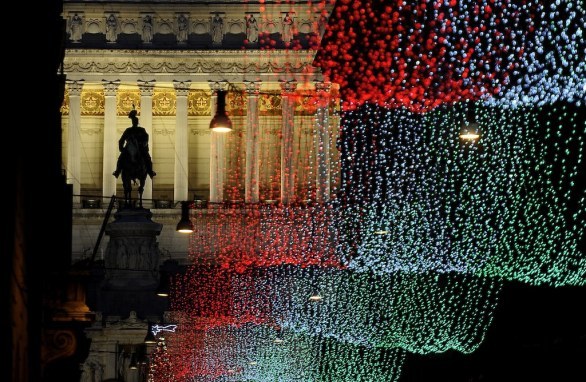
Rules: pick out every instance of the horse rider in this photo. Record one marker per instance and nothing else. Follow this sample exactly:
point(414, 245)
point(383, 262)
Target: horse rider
point(138, 136)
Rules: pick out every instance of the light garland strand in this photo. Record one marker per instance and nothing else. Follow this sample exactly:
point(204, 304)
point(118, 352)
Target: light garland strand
point(512, 205)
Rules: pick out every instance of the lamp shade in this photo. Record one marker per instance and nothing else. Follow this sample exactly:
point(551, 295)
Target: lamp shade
point(163, 288)
point(185, 225)
point(470, 131)
point(221, 122)
point(133, 363)
point(150, 337)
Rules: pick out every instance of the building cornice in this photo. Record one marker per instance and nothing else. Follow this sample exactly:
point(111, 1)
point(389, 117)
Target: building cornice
point(194, 65)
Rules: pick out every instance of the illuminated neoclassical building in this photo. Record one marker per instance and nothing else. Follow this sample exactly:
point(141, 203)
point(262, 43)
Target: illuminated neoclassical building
point(168, 59)
point(460, 174)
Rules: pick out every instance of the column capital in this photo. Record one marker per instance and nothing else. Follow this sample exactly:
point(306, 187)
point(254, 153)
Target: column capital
point(146, 87)
point(181, 88)
point(252, 87)
point(110, 87)
point(75, 87)
point(218, 85)
point(323, 87)
point(288, 86)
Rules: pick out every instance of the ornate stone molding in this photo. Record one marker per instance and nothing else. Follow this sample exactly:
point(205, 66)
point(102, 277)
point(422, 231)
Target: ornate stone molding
point(186, 62)
point(276, 131)
point(57, 344)
point(65, 106)
point(164, 102)
point(199, 102)
point(252, 88)
point(218, 85)
point(236, 103)
point(270, 104)
point(112, 27)
point(91, 131)
point(146, 88)
point(92, 102)
point(181, 20)
point(74, 88)
point(164, 132)
point(323, 87)
point(181, 88)
point(126, 101)
point(111, 88)
point(288, 87)
point(132, 322)
point(200, 132)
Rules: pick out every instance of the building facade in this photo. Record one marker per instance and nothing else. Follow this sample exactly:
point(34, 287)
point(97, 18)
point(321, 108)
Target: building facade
point(168, 60)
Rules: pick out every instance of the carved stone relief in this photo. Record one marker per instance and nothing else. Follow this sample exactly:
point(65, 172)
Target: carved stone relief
point(75, 27)
point(252, 31)
point(270, 104)
point(79, 66)
point(92, 102)
point(112, 28)
point(126, 100)
point(199, 102)
point(147, 28)
point(129, 26)
point(91, 131)
point(247, 20)
point(65, 105)
point(164, 132)
point(200, 26)
point(165, 26)
point(217, 28)
point(182, 28)
point(235, 26)
point(200, 132)
point(164, 102)
point(94, 26)
point(287, 27)
point(236, 103)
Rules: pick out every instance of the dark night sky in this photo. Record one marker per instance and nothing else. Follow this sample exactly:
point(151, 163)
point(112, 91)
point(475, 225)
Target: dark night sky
point(538, 334)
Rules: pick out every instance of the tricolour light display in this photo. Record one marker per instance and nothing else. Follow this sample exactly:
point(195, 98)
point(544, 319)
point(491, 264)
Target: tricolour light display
point(424, 54)
point(252, 352)
point(416, 197)
point(461, 168)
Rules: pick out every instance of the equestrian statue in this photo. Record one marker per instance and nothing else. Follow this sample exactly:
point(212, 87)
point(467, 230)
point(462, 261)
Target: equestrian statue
point(134, 162)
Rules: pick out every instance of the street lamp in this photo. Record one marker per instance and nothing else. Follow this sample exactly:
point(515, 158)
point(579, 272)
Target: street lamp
point(470, 132)
point(221, 123)
point(185, 225)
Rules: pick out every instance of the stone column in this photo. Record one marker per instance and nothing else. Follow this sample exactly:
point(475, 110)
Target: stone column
point(287, 171)
point(111, 139)
point(146, 121)
point(74, 138)
point(181, 142)
point(217, 156)
point(251, 180)
point(322, 142)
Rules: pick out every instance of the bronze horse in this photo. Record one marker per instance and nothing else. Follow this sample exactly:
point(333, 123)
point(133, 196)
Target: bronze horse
point(134, 169)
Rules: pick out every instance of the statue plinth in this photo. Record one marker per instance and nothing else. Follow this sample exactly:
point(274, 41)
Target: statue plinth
point(132, 255)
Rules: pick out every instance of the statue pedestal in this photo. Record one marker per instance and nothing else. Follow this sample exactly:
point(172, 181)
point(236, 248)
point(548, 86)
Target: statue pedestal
point(132, 255)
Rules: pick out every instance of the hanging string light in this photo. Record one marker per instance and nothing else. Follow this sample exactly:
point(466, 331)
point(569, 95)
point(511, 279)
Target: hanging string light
point(412, 255)
point(250, 352)
point(420, 55)
point(510, 205)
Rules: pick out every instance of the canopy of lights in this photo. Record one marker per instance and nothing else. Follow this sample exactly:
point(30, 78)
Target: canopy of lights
point(460, 157)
